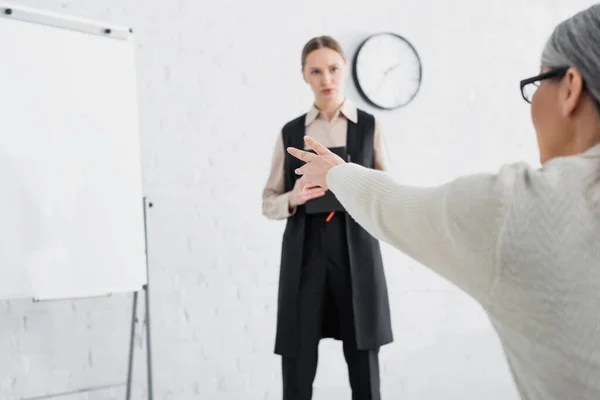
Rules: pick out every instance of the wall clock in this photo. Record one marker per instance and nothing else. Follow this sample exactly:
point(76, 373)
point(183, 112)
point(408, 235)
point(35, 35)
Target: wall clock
point(387, 71)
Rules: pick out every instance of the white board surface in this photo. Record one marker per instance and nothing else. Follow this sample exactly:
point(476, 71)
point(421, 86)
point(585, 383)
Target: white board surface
point(71, 204)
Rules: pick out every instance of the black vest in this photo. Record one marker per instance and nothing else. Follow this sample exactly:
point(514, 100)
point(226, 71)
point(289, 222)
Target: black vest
point(370, 297)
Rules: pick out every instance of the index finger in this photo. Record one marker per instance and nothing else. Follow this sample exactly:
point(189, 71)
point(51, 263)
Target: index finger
point(301, 154)
point(316, 146)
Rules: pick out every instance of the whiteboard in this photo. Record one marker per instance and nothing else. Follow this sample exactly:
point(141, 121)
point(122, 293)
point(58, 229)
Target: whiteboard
point(71, 204)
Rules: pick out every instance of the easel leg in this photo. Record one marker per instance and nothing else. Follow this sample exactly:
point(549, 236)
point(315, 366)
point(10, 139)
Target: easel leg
point(131, 345)
point(148, 345)
point(147, 323)
point(147, 311)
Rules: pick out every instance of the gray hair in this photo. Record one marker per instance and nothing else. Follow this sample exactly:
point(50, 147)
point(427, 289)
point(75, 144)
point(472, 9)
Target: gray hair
point(575, 42)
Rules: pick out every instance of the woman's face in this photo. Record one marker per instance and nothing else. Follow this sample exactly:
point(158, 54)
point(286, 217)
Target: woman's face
point(325, 71)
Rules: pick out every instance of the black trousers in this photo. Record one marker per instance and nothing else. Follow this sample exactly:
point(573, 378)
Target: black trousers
point(325, 296)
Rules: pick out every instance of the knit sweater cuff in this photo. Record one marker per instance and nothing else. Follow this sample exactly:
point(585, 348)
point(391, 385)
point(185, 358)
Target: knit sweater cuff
point(347, 180)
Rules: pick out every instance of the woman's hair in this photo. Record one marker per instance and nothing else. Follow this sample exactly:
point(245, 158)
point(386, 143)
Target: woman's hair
point(575, 42)
point(320, 42)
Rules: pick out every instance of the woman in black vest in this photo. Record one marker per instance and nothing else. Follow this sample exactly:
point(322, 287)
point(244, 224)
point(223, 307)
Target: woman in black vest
point(332, 283)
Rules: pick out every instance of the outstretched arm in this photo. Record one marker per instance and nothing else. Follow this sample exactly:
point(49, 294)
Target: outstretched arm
point(453, 229)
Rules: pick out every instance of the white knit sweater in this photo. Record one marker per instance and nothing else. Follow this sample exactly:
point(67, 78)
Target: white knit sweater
point(524, 243)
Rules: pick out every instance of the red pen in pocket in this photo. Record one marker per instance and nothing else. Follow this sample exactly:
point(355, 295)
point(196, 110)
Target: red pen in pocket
point(330, 216)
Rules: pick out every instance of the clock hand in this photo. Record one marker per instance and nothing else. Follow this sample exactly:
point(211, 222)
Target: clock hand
point(392, 68)
point(385, 73)
point(381, 83)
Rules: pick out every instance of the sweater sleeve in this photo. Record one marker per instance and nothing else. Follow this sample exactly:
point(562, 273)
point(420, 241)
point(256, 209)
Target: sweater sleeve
point(453, 229)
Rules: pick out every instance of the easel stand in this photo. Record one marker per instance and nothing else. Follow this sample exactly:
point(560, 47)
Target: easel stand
point(146, 323)
point(134, 321)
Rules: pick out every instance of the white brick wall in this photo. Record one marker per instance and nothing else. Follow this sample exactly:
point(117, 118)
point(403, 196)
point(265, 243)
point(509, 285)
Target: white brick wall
point(216, 82)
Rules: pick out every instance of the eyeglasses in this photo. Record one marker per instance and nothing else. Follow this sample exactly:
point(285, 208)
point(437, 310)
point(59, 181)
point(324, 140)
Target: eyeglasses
point(530, 85)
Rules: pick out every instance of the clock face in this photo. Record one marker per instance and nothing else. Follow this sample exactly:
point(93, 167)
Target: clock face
point(387, 71)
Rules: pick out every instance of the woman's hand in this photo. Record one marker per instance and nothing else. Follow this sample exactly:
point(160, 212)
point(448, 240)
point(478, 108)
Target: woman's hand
point(301, 194)
point(314, 172)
